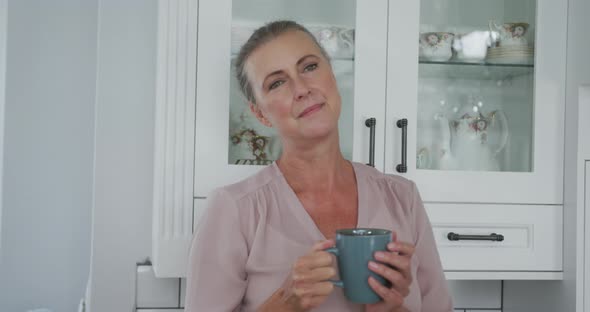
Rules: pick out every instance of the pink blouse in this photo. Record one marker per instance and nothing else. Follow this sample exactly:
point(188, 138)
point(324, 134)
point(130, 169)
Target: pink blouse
point(254, 230)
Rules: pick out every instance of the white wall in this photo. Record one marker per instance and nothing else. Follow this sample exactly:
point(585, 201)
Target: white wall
point(50, 89)
point(561, 296)
point(124, 150)
point(3, 6)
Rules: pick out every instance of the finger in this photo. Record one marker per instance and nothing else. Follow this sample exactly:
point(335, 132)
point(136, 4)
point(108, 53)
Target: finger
point(320, 259)
point(393, 236)
point(315, 275)
point(322, 289)
point(313, 260)
point(391, 296)
point(312, 302)
point(402, 248)
point(314, 289)
point(321, 245)
point(397, 279)
point(400, 263)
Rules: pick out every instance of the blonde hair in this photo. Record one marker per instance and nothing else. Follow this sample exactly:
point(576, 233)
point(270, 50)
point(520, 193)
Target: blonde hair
point(261, 36)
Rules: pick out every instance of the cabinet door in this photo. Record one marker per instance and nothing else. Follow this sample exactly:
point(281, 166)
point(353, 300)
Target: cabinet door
point(481, 85)
point(230, 143)
point(585, 204)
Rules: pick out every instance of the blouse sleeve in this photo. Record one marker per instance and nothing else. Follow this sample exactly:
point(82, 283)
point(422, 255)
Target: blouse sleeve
point(216, 278)
point(430, 276)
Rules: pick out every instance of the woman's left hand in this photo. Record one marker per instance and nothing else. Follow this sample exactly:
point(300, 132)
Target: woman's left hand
point(398, 273)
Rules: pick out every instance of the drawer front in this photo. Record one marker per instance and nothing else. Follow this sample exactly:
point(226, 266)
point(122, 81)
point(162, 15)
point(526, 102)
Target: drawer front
point(531, 236)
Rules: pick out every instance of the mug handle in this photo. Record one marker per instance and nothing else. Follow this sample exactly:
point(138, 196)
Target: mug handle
point(334, 251)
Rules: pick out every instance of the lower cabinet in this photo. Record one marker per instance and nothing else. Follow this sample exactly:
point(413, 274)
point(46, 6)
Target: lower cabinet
point(522, 241)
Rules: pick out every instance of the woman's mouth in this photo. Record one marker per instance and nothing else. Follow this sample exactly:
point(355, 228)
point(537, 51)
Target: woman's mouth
point(310, 110)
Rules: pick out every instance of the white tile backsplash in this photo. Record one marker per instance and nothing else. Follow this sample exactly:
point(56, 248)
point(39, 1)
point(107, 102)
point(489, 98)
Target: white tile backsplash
point(152, 292)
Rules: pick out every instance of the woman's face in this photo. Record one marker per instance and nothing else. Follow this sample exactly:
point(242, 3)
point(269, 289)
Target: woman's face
point(294, 88)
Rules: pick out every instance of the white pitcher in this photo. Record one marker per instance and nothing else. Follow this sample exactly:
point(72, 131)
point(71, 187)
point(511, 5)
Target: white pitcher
point(465, 140)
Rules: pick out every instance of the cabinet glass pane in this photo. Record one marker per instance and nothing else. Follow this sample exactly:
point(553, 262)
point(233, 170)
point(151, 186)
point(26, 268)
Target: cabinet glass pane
point(332, 22)
point(476, 85)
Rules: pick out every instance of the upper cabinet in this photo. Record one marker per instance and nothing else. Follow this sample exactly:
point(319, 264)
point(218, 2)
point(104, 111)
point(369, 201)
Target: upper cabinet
point(230, 142)
point(465, 97)
point(478, 88)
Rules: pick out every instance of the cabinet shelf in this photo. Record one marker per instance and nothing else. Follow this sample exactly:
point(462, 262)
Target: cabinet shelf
point(332, 58)
point(473, 71)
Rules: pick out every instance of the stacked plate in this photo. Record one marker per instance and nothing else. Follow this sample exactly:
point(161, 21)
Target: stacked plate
point(511, 54)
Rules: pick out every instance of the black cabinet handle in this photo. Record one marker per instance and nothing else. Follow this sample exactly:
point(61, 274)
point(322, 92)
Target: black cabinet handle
point(492, 237)
point(403, 124)
point(371, 122)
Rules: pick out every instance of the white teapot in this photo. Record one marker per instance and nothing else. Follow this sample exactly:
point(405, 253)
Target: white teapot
point(473, 46)
point(467, 143)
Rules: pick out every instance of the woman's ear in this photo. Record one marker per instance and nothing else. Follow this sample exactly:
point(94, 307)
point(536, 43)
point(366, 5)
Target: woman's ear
point(255, 109)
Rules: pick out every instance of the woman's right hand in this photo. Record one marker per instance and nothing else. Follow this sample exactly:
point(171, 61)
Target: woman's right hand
point(307, 285)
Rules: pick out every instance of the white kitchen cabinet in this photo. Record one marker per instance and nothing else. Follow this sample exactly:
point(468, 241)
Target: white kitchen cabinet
point(585, 204)
point(206, 138)
point(478, 130)
point(582, 246)
point(472, 125)
point(498, 238)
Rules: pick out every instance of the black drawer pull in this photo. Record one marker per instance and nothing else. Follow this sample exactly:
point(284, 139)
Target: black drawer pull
point(492, 237)
point(371, 123)
point(403, 124)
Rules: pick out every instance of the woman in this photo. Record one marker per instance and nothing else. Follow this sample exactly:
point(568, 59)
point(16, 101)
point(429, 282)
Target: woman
point(259, 246)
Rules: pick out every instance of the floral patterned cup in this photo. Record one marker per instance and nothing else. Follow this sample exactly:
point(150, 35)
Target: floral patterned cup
point(436, 46)
point(511, 34)
point(337, 41)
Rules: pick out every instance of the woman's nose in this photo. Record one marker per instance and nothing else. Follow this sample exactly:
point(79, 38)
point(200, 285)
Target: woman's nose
point(300, 89)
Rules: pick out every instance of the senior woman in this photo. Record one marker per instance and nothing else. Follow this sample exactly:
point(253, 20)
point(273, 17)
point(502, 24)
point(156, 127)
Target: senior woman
point(259, 245)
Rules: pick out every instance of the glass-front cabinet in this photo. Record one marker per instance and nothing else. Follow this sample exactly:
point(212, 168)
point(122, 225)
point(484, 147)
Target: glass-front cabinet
point(465, 97)
point(475, 99)
point(230, 142)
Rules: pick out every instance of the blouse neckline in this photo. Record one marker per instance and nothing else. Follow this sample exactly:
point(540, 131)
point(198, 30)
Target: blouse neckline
point(303, 216)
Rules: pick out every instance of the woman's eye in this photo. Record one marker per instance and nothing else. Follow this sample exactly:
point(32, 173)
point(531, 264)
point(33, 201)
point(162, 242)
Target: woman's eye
point(275, 84)
point(310, 67)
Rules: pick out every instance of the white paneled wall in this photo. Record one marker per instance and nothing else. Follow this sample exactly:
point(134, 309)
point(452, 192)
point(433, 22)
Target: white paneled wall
point(3, 24)
point(168, 294)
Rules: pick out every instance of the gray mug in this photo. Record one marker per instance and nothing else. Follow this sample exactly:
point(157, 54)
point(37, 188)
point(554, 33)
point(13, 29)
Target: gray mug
point(354, 249)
